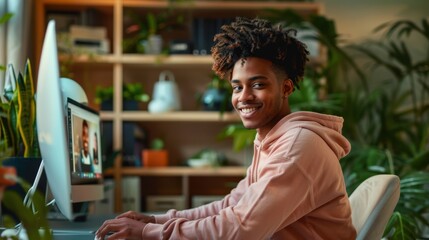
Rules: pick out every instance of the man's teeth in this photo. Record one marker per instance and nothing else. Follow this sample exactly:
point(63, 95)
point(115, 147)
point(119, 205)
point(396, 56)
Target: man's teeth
point(248, 110)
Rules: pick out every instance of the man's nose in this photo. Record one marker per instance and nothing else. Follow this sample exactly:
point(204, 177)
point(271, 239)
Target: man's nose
point(246, 95)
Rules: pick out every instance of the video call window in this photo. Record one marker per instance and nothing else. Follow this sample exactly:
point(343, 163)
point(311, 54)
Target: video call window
point(84, 140)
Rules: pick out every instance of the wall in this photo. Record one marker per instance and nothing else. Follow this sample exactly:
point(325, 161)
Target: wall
point(355, 20)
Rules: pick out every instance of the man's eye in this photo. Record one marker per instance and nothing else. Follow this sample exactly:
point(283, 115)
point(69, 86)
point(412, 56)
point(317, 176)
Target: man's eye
point(236, 88)
point(258, 85)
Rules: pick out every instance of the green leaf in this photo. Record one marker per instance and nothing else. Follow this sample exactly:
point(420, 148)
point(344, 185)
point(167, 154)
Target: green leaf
point(5, 17)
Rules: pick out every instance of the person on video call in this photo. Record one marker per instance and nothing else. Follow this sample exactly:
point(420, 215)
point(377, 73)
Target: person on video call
point(294, 187)
point(95, 149)
point(85, 157)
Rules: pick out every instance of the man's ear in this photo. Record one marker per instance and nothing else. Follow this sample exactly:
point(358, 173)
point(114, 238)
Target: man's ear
point(287, 87)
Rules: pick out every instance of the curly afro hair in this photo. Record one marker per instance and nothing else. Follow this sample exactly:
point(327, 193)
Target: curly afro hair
point(245, 38)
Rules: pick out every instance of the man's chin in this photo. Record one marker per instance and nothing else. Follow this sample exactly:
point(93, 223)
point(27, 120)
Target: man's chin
point(249, 125)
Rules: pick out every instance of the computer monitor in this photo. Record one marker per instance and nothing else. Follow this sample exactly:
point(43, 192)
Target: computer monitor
point(66, 185)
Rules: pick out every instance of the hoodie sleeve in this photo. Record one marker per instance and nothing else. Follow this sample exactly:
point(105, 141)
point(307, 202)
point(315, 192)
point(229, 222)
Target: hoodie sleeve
point(208, 209)
point(259, 213)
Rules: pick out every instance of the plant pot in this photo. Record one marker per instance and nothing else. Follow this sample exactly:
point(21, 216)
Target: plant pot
point(154, 45)
point(107, 105)
point(155, 158)
point(127, 105)
point(26, 169)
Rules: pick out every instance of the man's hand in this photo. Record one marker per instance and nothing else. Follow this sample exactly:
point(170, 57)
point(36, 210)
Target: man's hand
point(137, 216)
point(121, 228)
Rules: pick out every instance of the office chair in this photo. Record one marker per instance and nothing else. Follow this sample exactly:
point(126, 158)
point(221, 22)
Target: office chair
point(372, 204)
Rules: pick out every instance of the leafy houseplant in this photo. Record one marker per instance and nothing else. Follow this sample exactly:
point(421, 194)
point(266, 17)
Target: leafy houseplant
point(131, 92)
point(18, 130)
point(391, 122)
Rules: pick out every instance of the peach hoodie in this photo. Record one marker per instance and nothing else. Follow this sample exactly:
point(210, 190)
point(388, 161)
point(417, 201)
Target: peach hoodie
point(294, 189)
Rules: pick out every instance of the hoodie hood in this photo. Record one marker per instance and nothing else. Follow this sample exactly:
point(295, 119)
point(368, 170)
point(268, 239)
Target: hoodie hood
point(328, 127)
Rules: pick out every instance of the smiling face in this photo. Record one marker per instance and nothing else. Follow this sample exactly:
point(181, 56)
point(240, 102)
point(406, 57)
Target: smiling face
point(260, 94)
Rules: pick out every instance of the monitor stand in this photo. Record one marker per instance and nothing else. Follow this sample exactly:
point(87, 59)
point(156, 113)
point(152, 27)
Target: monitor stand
point(83, 227)
point(81, 209)
point(80, 212)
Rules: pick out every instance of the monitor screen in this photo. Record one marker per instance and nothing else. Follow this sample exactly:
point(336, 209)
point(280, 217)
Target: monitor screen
point(84, 143)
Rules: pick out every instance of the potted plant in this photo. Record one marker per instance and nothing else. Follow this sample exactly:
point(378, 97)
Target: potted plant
point(145, 36)
point(156, 155)
point(19, 149)
point(132, 94)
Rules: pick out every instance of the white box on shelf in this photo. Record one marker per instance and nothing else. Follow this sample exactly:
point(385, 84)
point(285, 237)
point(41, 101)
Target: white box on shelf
point(87, 32)
point(200, 200)
point(106, 205)
point(164, 203)
point(131, 199)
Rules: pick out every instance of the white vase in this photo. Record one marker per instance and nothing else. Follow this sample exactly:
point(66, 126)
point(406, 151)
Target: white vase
point(166, 96)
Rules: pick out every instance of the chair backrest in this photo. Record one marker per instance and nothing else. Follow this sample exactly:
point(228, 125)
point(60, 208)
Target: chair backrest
point(372, 204)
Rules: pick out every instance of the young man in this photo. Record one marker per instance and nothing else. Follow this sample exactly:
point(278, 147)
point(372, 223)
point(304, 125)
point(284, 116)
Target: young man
point(294, 188)
point(85, 157)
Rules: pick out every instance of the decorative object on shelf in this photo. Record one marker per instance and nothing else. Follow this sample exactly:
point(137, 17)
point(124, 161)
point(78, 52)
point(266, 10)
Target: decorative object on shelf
point(156, 156)
point(181, 47)
point(165, 95)
point(217, 96)
point(132, 94)
point(89, 39)
point(207, 158)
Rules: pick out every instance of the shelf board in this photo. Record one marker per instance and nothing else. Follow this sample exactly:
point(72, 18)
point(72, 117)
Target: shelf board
point(89, 58)
point(152, 60)
point(139, 59)
point(80, 2)
point(179, 171)
point(188, 116)
point(225, 5)
point(173, 59)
